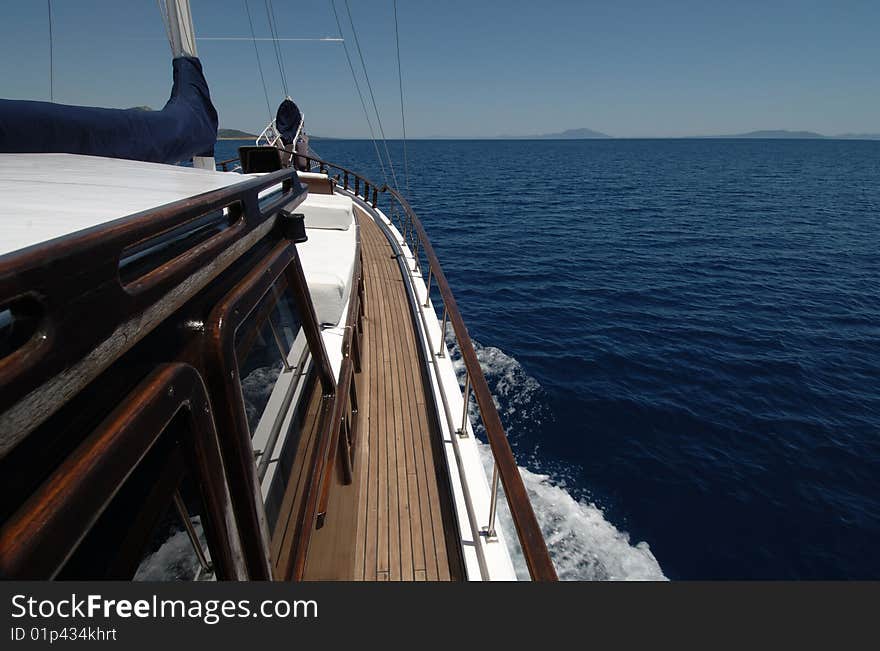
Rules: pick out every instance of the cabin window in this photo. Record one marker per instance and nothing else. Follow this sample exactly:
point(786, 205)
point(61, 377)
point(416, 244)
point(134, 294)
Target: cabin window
point(259, 372)
point(140, 535)
point(178, 549)
point(275, 368)
point(268, 355)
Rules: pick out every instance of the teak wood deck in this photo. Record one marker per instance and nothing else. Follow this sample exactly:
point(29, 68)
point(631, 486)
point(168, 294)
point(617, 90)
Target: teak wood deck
point(395, 521)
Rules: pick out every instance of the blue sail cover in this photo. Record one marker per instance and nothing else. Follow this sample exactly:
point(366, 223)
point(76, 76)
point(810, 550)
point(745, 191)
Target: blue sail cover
point(185, 127)
point(288, 120)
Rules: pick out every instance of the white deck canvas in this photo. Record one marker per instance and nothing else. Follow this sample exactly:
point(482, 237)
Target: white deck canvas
point(50, 195)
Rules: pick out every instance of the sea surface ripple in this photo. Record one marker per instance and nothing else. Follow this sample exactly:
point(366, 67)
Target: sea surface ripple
point(695, 329)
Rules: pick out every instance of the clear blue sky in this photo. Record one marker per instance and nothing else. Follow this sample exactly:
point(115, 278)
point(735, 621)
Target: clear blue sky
point(481, 68)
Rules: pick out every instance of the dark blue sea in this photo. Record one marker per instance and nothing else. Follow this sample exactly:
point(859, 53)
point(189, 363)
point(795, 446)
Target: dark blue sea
point(683, 337)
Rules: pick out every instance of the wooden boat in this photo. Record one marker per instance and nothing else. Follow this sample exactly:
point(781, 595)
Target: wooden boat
point(239, 376)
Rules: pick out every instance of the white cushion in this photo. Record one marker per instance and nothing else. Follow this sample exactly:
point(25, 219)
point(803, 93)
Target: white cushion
point(327, 211)
point(312, 176)
point(328, 261)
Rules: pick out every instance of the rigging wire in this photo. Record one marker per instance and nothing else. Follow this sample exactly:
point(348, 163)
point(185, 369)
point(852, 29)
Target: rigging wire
point(402, 113)
point(324, 39)
point(372, 96)
point(360, 94)
point(259, 63)
point(163, 12)
point(270, 14)
point(51, 56)
point(314, 153)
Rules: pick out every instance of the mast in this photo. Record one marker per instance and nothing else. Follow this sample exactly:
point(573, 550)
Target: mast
point(182, 38)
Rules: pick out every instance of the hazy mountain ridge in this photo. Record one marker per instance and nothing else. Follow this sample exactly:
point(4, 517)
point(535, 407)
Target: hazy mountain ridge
point(568, 134)
point(808, 135)
point(234, 134)
point(772, 133)
point(762, 134)
point(590, 134)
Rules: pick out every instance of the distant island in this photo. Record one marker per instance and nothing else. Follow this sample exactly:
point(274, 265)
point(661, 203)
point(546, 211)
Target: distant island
point(234, 134)
point(765, 134)
point(568, 134)
point(771, 133)
point(803, 135)
point(590, 134)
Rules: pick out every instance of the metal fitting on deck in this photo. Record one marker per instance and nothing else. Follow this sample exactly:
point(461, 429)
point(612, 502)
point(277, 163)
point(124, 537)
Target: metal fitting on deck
point(292, 226)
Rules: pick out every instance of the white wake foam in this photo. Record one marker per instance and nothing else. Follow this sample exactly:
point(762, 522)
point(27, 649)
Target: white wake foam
point(175, 559)
point(583, 544)
point(256, 389)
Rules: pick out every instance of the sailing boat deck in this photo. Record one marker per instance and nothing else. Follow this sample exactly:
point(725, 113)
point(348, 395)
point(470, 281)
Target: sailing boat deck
point(177, 362)
point(377, 485)
point(403, 525)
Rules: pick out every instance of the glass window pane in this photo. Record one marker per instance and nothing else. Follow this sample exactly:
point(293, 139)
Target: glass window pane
point(286, 318)
point(171, 555)
point(262, 342)
point(259, 374)
point(140, 535)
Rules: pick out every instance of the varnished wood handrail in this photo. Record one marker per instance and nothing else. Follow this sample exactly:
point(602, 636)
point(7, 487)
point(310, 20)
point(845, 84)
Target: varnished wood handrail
point(74, 278)
point(528, 530)
point(224, 164)
point(41, 536)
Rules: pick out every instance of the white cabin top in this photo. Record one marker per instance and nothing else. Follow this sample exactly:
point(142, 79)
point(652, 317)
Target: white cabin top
point(50, 195)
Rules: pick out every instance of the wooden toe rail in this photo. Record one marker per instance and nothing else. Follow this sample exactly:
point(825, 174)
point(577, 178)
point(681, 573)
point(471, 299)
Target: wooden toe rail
point(528, 530)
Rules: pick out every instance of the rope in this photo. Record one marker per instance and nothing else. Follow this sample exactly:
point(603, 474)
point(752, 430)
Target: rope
point(51, 56)
point(360, 94)
point(372, 96)
point(163, 11)
point(270, 14)
point(402, 112)
point(259, 63)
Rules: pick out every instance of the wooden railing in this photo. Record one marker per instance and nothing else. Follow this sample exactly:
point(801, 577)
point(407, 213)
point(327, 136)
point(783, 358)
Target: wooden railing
point(528, 530)
point(228, 165)
point(40, 537)
point(75, 301)
point(50, 280)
